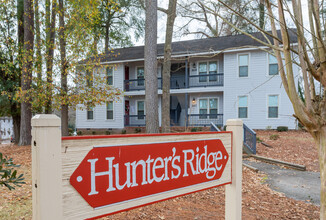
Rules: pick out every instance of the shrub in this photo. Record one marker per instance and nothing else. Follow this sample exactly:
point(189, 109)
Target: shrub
point(194, 129)
point(79, 132)
point(107, 132)
point(93, 132)
point(123, 131)
point(8, 174)
point(258, 140)
point(282, 128)
point(137, 130)
point(274, 137)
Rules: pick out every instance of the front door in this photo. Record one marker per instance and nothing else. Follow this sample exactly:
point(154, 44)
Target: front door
point(126, 112)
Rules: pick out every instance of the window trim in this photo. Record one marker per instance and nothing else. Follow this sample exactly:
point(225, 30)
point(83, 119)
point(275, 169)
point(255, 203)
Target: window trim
point(137, 109)
point(268, 65)
point(207, 70)
point(238, 99)
point(136, 69)
point(93, 110)
point(208, 107)
point(278, 107)
point(106, 75)
point(106, 105)
point(238, 65)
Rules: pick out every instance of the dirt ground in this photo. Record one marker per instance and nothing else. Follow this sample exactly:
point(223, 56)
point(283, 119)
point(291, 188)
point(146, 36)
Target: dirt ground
point(259, 201)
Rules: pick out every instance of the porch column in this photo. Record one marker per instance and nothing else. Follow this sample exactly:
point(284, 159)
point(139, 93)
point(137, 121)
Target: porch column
point(186, 108)
point(186, 73)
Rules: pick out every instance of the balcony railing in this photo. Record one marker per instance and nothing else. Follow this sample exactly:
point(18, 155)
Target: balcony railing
point(179, 82)
point(205, 119)
point(135, 120)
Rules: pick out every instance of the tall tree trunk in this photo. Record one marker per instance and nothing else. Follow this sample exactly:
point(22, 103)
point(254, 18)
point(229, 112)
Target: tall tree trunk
point(16, 125)
point(50, 50)
point(26, 79)
point(320, 139)
point(151, 96)
point(64, 87)
point(167, 66)
point(261, 14)
point(38, 55)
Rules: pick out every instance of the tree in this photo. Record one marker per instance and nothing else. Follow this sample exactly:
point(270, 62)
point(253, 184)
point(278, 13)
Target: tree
point(171, 14)
point(196, 11)
point(9, 64)
point(309, 55)
point(26, 79)
point(151, 96)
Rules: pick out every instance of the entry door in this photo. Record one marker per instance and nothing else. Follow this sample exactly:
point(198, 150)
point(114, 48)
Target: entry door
point(127, 78)
point(126, 112)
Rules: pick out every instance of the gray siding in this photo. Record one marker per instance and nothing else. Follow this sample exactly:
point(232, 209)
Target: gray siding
point(257, 86)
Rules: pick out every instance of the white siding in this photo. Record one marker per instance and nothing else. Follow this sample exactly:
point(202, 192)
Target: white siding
point(100, 120)
point(257, 86)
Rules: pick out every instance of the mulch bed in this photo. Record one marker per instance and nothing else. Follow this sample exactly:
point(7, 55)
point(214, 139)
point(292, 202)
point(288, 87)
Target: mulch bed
point(259, 201)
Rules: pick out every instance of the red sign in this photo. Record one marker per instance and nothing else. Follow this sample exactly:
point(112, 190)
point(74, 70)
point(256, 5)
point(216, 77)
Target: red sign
point(115, 174)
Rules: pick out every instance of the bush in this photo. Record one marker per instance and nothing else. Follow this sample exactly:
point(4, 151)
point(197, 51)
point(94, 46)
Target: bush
point(93, 132)
point(79, 132)
point(137, 130)
point(123, 131)
point(8, 175)
point(107, 132)
point(258, 140)
point(274, 137)
point(282, 128)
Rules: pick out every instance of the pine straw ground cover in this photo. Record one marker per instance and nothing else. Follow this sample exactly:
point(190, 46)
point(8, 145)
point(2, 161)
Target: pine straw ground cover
point(259, 201)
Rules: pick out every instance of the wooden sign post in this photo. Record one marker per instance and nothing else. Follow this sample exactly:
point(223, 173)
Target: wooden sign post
point(93, 176)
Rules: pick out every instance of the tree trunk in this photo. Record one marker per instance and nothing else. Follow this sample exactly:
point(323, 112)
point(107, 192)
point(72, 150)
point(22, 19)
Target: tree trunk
point(166, 75)
point(50, 50)
point(320, 139)
point(151, 96)
point(261, 14)
point(38, 55)
point(26, 79)
point(16, 125)
point(64, 87)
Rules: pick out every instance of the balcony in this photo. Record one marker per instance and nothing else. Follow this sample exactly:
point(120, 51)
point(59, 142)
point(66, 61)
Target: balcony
point(193, 120)
point(205, 119)
point(179, 82)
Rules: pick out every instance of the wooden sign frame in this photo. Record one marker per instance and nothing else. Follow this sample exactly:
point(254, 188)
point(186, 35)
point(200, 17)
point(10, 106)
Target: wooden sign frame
point(55, 198)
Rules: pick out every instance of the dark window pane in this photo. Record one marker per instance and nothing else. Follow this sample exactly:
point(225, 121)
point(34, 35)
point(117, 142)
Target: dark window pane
point(203, 78)
point(273, 112)
point(213, 113)
point(109, 115)
point(243, 112)
point(273, 69)
point(243, 71)
point(140, 114)
point(203, 113)
point(90, 115)
point(212, 76)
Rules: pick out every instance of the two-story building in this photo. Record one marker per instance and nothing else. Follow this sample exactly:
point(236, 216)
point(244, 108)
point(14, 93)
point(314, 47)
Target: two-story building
point(212, 80)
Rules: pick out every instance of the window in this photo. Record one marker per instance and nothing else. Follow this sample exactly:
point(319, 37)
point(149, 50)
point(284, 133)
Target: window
point(213, 108)
point(243, 107)
point(273, 106)
point(273, 66)
point(90, 113)
point(202, 71)
point(89, 78)
point(208, 106)
point(211, 71)
point(203, 108)
point(109, 76)
point(140, 76)
point(140, 109)
point(109, 110)
point(243, 65)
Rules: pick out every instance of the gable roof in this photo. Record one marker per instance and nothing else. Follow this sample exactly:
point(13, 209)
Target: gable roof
point(189, 47)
